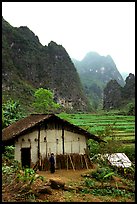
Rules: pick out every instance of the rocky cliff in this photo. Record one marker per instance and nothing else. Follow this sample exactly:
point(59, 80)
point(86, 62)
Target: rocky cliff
point(27, 65)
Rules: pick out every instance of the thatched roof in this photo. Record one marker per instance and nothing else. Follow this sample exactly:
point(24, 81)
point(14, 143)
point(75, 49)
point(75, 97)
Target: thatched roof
point(19, 127)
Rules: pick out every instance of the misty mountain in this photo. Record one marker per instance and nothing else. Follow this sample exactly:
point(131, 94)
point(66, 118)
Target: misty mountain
point(116, 96)
point(27, 65)
point(95, 72)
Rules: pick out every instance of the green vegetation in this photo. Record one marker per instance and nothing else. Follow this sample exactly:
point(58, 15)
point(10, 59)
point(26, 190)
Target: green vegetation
point(108, 180)
point(49, 66)
point(117, 130)
point(108, 191)
point(129, 150)
point(118, 125)
point(28, 65)
point(11, 112)
point(20, 90)
point(28, 176)
point(44, 101)
point(116, 96)
point(103, 173)
point(17, 180)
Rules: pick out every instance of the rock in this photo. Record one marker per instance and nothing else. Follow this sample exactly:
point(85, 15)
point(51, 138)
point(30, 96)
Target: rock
point(79, 188)
point(45, 190)
point(68, 188)
point(36, 175)
point(57, 183)
point(86, 175)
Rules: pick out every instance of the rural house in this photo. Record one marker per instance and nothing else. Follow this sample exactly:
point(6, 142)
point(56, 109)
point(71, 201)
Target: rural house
point(38, 135)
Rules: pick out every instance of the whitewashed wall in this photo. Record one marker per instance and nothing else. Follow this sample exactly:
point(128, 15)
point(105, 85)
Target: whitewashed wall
point(22, 144)
point(74, 142)
point(53, 142)
point(50, 141)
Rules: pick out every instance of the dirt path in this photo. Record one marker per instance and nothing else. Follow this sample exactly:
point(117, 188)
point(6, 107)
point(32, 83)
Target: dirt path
point(70, 177)
point(65, 175)
point(73, 178)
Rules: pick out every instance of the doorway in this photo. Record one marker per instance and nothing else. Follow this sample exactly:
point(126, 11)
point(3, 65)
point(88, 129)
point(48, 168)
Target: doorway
point(25, 157)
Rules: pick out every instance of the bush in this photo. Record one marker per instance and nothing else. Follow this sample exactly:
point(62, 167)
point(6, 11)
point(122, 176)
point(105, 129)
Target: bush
point(29, 176)
point(129, 151)
point(89, 183)
point(127, 173)
point(103, 173)
point(9, 152)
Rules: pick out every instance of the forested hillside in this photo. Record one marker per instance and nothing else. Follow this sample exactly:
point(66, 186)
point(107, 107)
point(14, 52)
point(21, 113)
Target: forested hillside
point(27, 65)
point(116, 96)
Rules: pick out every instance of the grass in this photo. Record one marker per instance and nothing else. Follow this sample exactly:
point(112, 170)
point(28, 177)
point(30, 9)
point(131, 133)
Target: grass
point(124, 126)
point(121, 138)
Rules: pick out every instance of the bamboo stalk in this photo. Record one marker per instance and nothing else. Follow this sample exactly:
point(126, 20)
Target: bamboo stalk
point(71, 162)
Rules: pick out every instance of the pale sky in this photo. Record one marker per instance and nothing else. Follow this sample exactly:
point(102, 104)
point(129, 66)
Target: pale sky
point(80, 27)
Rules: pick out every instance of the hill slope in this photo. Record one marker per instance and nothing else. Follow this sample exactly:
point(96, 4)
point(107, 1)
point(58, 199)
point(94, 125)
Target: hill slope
point(27, 65)
point(118, 97)
point(95, 72)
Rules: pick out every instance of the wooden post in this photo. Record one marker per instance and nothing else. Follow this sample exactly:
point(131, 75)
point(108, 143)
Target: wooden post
point(85, 161)
point(67, 161)
point(63, 139)
point(71, 162)
point(87, 153)
point(39, 148)
point(81, 161)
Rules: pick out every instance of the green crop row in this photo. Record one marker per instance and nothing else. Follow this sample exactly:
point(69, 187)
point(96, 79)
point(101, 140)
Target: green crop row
point(122, 126)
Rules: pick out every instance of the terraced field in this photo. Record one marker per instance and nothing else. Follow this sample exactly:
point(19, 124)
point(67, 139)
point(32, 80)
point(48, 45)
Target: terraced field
point(123, 126)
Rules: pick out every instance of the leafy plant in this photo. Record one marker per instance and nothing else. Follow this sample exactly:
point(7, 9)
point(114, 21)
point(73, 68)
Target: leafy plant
point(29, 176)
point(6, 169)
point(102, 174)
point(111, 192)
point(108, 191)
point(94, 147)
point(11, 112)
point(89, 183)
point(129, 150)
point(9, 152)
point(102, 148)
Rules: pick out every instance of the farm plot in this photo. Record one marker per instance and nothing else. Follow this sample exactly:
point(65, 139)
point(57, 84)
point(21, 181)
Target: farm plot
point(123, 127)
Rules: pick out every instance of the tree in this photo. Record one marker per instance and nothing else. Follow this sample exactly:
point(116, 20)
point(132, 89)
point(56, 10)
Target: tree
point(11, 112)
point(44, 101)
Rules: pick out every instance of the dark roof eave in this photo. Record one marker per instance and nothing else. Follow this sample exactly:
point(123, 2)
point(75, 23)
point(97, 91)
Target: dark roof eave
point(78, 129)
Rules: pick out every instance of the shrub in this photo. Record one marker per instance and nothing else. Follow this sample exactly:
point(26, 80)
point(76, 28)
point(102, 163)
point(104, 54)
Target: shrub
point(9, 152)
point(103, 173)
point(29, 176)
point(129, 151)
